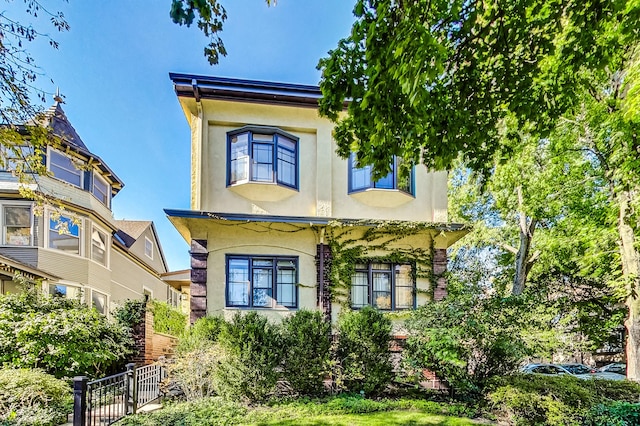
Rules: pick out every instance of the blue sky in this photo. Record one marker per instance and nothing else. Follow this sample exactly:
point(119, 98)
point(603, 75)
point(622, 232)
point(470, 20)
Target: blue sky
point(112, 68)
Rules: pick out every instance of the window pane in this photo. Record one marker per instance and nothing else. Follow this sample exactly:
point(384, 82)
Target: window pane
point(262, 137)
point(64, 235)
point(238, 288)
point(385, 182)
point(99, 247)
point(381, 290)
point(286, 167)
point(286, 287)
point(63, 168)
point(361, 178)
point(262, 286)
point(404, 297)
point(286, 143)
point(99, 301)
point(61, 290)
point(17, 222)
point(239, 166)
point(100, 189)
point(359, 289)
point(262, 170)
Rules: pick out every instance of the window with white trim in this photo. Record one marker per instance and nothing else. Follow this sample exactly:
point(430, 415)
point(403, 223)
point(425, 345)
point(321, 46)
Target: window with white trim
point(101, 189)
point(262, 281)
point(64, 290)
point(99, 246)
point(64, 233)
point(99, 301)
point(148, 248)
point(266, 155)
point(17, 221)
point(17, 158)
point(386, 286)
point(64, 168)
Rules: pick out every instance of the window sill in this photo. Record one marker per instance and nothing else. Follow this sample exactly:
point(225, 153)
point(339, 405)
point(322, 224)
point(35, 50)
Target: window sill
point(274, 309)
point(376, 197)
point(262, 191)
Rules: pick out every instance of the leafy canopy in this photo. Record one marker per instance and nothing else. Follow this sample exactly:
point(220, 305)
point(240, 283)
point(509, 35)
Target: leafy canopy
point(426, 80)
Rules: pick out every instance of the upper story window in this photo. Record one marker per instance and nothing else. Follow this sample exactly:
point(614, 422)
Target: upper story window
point(385, 286)
point(17, 158)
point(148, 248)
point(64, 234)
point(361, 178)
point(99, 246)
point(262, 282)
point(262, 155)
point(17, 225)
point(64, 168)
point(101, 189)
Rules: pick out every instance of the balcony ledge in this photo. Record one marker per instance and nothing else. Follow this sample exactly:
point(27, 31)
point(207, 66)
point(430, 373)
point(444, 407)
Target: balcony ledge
point(376, 197)
point(262, 191)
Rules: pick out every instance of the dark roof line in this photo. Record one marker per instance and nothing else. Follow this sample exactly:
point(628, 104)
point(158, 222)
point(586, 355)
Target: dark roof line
point(209, 87)
point(310, 220)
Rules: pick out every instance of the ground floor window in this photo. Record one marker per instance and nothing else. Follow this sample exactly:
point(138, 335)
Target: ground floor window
point(262, 281)
point(61, 290)
point(99, 301)
point(385, 286)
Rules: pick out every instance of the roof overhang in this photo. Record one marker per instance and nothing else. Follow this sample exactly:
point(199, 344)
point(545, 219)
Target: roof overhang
point(445, 234)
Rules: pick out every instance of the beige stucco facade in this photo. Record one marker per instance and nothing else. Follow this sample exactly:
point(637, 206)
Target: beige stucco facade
point(251, 220)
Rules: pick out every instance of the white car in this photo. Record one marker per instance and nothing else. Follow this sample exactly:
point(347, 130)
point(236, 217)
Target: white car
point(580, 371)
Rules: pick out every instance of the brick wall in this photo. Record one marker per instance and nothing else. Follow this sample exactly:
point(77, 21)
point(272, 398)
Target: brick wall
point(149, 345)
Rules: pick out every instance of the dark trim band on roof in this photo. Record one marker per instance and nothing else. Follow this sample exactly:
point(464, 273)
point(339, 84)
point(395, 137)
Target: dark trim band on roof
point(310, 220)
point(208, 87)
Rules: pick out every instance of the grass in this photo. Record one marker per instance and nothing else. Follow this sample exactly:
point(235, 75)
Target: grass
point(342, 410)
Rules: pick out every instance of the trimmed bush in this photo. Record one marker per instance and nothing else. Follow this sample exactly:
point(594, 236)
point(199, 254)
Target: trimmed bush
point(306, 345)
point(32, 397)
point(167, 319)
point(63, 337)
point(529, 399)
point(363, 350)
point(250, 357)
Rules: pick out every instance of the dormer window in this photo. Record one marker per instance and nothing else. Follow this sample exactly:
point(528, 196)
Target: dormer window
point(64, 168)
point(262, 155)
point(361, 178)
point(101, 189)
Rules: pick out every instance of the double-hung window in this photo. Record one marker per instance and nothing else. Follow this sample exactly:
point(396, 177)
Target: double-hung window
point(263, 155)
point(64, 234)
point(101, 189)
point(262, 282)
point(64, 168)
point(386, 286)
point(99, 246)
point(361, 178)
point(16, 224)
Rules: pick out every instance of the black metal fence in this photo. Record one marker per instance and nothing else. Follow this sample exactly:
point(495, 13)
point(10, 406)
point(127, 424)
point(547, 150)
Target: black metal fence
point(107, 400)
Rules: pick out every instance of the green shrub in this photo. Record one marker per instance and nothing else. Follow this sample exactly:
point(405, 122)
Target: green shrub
point(250, 356)
point(363, 350)
point(64, 337)
point(306, 345)
point(130, 313)
point(195, 372)
point(614, 414)
point(201, 412)
point(167, 319)
point(529, 399)
point(202, 334)
point(32, 397)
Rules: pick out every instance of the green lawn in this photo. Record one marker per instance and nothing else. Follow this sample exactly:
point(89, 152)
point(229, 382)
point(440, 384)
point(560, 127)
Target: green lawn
point(399, 417)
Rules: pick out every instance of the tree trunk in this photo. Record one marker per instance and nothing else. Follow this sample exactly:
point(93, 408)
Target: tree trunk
point(523, 260)
point(630, 269)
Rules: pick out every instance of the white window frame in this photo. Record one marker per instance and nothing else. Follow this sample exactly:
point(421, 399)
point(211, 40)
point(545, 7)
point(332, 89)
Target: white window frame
point(74, 170)
point(107, 195)
point(81, 234)
point(106, 301)
point(4, 225)
point(82, 289)
point(107, 252)
point(148, 241)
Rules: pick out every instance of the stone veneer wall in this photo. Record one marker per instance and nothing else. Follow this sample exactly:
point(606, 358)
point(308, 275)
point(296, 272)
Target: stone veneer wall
point(198, 297)
point(439, 269)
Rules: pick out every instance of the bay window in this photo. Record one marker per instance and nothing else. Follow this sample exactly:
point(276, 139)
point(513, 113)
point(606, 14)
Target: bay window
point(263, 155)
point(64, 168)
point(99, 246)
point(101, 189)
point(64, 234)
point(361, 178)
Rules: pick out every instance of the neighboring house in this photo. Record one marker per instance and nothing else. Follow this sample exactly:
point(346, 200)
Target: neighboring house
point(278, 222)
point(73, 243)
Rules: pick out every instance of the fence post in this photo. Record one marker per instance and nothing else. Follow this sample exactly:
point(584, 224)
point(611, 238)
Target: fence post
point(80, 401)
point(130, 389)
